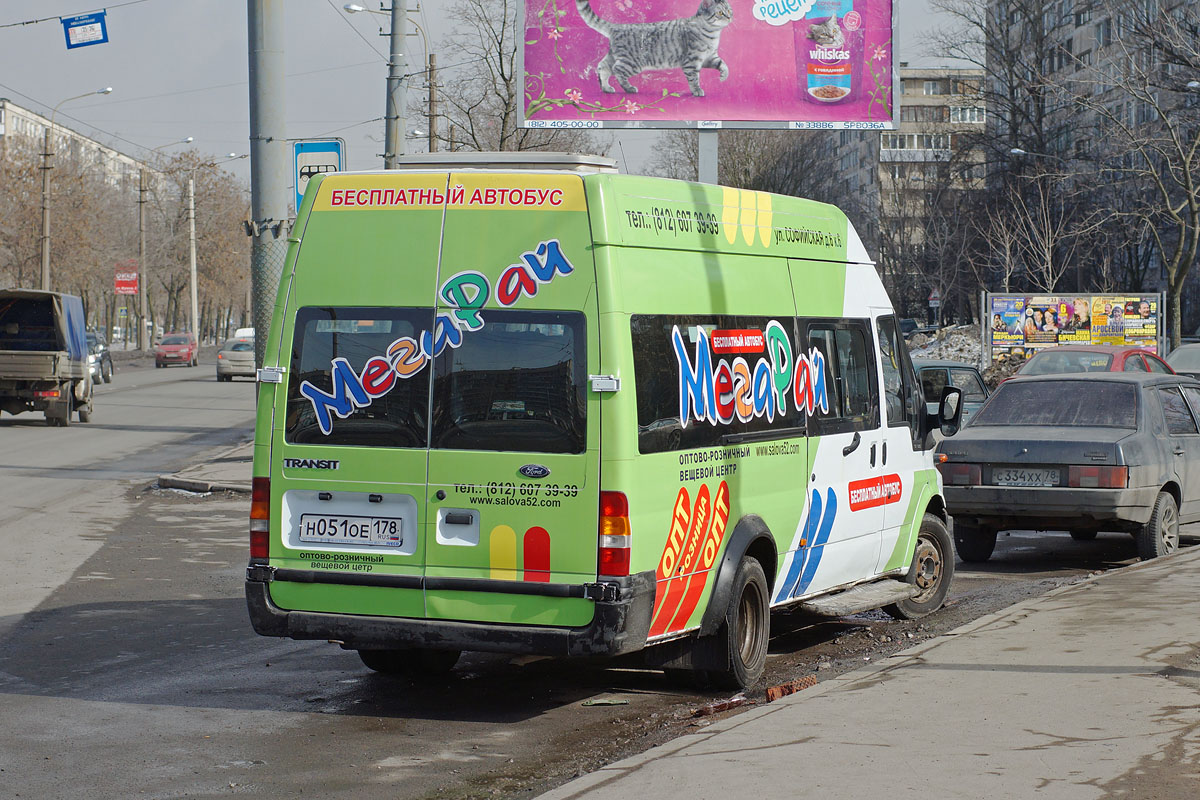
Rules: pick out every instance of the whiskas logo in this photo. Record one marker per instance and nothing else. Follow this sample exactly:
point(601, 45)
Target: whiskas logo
point(718, 394)
point(465, 294)
point(828, 54)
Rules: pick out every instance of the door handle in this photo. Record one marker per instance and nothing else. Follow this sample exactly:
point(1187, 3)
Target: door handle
point(458, 519)
point(854, 443)
point(872, 454)
point(885, 453)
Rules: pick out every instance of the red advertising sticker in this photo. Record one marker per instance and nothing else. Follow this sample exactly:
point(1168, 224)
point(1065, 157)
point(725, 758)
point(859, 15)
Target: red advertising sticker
point(740, 341)
point(874, 492)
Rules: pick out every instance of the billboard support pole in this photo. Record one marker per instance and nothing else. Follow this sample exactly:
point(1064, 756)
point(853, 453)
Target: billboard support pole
point(708, 156)
point(985, 331)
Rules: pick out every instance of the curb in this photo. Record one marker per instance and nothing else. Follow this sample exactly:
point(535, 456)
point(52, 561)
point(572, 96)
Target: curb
point(179, 480)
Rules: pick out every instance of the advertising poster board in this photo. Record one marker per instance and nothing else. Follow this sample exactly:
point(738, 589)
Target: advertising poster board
point(801, 64)
point(1020, 325)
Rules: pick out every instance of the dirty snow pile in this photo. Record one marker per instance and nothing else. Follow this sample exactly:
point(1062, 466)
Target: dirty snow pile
point(952, 343)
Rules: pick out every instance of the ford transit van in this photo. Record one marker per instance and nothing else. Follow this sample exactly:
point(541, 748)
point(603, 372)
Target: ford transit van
point(519, 403)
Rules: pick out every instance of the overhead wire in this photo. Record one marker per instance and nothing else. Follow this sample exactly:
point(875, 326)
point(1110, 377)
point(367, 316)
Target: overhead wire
point(76, 14)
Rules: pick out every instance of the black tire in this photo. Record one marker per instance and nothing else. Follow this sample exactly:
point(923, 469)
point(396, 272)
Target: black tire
point(741, 641)
point(932, 570)
point(973, 543)
point(404, 661)
point(106, 371)
point(1083, 535)
point(1159, 536)
point(85, 413)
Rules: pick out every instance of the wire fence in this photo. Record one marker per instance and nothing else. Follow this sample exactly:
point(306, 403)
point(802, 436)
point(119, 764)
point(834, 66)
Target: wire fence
point(267, 257)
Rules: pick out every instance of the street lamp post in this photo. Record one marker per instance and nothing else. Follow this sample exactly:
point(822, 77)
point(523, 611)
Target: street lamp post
point(143, 341)
point(397, 80)
point(46, 185)
point(191, 187)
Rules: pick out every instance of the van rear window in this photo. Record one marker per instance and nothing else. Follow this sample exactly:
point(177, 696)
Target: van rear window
point(517, 383)
point(395, 418)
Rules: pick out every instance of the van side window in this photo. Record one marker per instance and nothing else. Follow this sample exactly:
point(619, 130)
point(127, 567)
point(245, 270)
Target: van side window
point(902, 394)
point(518, 383)
point(729, 385)
point(396, 418)
point(847, 346)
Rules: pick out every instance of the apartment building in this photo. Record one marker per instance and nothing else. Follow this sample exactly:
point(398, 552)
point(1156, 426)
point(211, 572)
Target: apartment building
point(23, 131)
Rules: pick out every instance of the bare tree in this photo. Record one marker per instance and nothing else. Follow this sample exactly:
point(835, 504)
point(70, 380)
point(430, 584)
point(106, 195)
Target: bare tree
point(481, 89)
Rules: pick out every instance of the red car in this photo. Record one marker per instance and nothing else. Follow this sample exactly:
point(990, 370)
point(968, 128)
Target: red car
point(1093, 358)
point(177, 348)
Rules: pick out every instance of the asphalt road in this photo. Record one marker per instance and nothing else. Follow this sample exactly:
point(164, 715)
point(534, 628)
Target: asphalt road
point(128, 667)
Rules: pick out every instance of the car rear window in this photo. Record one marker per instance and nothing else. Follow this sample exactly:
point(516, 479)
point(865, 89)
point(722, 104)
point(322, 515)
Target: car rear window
point(239, 347)
point(1102, 404)
point(27, 324)
point(1185, 358)
point(518, 384)
point(1060, 361)
point(175, 340)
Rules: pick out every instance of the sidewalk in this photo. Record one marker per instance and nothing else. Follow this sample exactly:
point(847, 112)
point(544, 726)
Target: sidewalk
point(1090, 691)
point(227, 472)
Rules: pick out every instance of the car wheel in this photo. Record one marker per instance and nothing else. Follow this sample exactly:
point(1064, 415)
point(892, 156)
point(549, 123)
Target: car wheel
point(931, 571)
point(397, 662)
point(973, 543)
point(1159, 536)
point(85, 413)
point(741, 641)
point(106, 371)
point(1083, 535)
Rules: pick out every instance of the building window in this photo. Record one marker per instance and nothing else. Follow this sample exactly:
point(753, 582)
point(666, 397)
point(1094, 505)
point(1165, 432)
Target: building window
point(967, 114)
point(1083, 16)
point(934, 87)
point(1104, 33)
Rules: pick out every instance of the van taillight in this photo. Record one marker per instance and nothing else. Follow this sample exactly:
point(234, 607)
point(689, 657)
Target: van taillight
point(960, 474)
point(614, 535)
point(1098, 477)
point(260, 518)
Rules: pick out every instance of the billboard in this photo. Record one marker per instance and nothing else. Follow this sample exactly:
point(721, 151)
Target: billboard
point(802, 64)
point(1019, 325)
point(125, 280)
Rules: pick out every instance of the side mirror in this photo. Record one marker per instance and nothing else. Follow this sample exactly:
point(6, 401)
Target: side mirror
point(950, 411)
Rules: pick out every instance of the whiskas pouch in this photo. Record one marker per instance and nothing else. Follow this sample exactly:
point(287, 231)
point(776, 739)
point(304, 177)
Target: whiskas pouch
point(829, 51)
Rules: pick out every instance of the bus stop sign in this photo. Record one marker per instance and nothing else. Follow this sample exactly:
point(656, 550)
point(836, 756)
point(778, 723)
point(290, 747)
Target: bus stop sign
point(313, 157)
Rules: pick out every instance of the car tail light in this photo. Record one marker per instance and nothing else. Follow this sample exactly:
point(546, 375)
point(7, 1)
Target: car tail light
point(220, 356)
point(615, 535)
point(50, 393)
point(260, 518)
point(1098, 477)
point(961, 474)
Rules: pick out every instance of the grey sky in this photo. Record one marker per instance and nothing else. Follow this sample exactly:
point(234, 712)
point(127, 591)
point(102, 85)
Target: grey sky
point(178, 68)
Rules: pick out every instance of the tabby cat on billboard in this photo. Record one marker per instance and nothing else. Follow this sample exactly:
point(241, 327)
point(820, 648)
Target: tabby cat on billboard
point(727, 63)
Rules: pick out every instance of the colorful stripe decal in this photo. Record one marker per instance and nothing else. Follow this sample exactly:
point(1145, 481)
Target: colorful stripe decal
point(503, 552)
point(537, 555)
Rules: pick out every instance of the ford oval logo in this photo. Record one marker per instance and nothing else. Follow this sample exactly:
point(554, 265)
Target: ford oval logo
point(534, 471)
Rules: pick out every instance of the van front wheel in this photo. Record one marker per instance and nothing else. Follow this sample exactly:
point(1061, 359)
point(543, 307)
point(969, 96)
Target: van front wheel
point(417, 662)
point(741, 641)
point(931, 571)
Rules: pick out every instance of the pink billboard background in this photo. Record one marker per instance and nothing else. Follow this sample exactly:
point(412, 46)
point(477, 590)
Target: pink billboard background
point(770, 66)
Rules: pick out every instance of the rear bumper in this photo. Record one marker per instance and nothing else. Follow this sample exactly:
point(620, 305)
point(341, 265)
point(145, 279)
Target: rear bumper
point(227, 368)
point(620, 625)
point(1050, 507)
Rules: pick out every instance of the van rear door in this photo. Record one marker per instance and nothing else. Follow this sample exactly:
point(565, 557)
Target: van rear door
point(511, 526)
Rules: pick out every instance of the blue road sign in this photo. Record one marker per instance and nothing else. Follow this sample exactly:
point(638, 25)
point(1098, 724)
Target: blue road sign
point(313, 157)
point(85, 29)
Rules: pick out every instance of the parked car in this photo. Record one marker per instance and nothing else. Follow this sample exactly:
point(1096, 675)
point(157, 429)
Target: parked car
point(937, 375)
point(236, 357)
point(1063, 359)
point(177, 348)
point(1185, 360)
point(99, 358)
point(1082, 454)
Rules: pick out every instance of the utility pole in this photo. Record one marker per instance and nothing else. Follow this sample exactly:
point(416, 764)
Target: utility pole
point(433, 113)
point(46, 156)
point(192, 253)
point(143, 288)
point(393, 129)
point(270, 171)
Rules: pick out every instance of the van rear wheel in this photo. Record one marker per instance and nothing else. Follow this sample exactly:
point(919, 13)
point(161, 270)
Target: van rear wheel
point(412, 661)
point(741, 641)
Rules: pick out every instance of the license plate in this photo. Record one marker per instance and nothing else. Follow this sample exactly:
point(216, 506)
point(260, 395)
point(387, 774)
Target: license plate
point(1022, 476)
point(341, 529)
